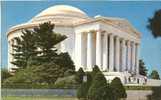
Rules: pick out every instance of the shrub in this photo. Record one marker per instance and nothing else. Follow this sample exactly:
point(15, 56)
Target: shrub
point(97, 91)
point(69, 72)
point(118, 88)
point(5, 74)
point(82, 91)
point(66, 82)
point(95, 70)
point(155, 75)
point(79, 76)
point(84, 87)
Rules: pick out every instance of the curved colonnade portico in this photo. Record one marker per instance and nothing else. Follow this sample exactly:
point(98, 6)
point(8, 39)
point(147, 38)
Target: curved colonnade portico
point(111, 43)
point(109, 52)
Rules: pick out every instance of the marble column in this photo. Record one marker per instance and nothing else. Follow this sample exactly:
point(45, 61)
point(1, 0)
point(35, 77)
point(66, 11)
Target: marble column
point(9, 55)
point(78, 50)
point(105, 52)
point(128, 55)
point(111, 54)
point(137, 58)
point(84, 50)
point(123, 55)
point(99, 49)
point(133, 57)
point(89, 51)
point(117, 54)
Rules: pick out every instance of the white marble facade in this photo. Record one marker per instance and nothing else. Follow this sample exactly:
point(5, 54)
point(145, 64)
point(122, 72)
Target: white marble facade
point(111, 43)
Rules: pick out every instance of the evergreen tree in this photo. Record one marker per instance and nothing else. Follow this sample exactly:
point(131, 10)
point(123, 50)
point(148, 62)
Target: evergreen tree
point(65, 62)
point(118, 88)
point(155, 24)
point(142, 68)
point(95, 70)
point(154, 75)
point(24, 49)
point(5, 75)
point(46, 40)
point(97, 91)
point(82, 91)
point(47, 72)
point(79, 76)
point(37, 46)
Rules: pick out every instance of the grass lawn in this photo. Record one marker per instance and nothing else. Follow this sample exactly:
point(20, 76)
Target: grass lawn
point(38, 98)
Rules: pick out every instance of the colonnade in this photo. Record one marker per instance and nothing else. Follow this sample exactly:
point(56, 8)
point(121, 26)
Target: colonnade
point(10, 52)
point(111, 53)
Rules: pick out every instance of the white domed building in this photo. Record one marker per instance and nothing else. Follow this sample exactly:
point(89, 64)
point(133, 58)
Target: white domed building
point(111, 43)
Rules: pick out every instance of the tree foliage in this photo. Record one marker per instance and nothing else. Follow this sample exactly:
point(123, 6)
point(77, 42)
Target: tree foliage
point(79, 76)
point(84, 87)
point(37, 45)
point(24, 48)
point(65, 62)
point(155, 24)
point(95, 70)
point(97, 91)
point(37, 49)
point(45, 41)
point(4, 75)
point(154, 75)
point(142, 68)
point(83, 91)
point(118, 88)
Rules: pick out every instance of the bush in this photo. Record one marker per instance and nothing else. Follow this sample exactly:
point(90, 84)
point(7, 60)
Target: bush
point(69, 72)
point(5, 74)
point(155, 75)
point(82, 91)
point(97, 91)
point(118, 88)
point(79, 76)
point(95, 70)
point(84, 87)
point(66, 82)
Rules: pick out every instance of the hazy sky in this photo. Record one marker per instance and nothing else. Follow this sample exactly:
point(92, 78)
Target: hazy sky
point(137, 13)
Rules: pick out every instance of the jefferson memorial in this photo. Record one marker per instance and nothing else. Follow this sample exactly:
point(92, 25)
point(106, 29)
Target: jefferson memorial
point(109, 42)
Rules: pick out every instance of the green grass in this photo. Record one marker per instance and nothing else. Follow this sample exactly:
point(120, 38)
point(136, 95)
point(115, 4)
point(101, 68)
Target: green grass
point(38, 98)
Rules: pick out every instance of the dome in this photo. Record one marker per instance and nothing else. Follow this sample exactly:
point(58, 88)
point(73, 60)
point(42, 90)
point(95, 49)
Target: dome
point(61, 9)
point(61, 14)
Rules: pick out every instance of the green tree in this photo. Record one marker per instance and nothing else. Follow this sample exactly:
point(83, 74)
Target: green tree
point(65, 62)
point(154, 75)
point(37, 46)
point(142, 68)
point(79, 75)
point(97, 91)
point(46, 40)
point(118, 88)
point(155, 24)
point(5, 74)
point(83, 89)
point(95, 70)
point(22, 76)
point(45, 73)
point(24, 49)
point(48, 72)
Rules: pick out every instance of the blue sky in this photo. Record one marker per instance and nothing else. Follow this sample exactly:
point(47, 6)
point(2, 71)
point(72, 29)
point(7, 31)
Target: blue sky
point(137, 13)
